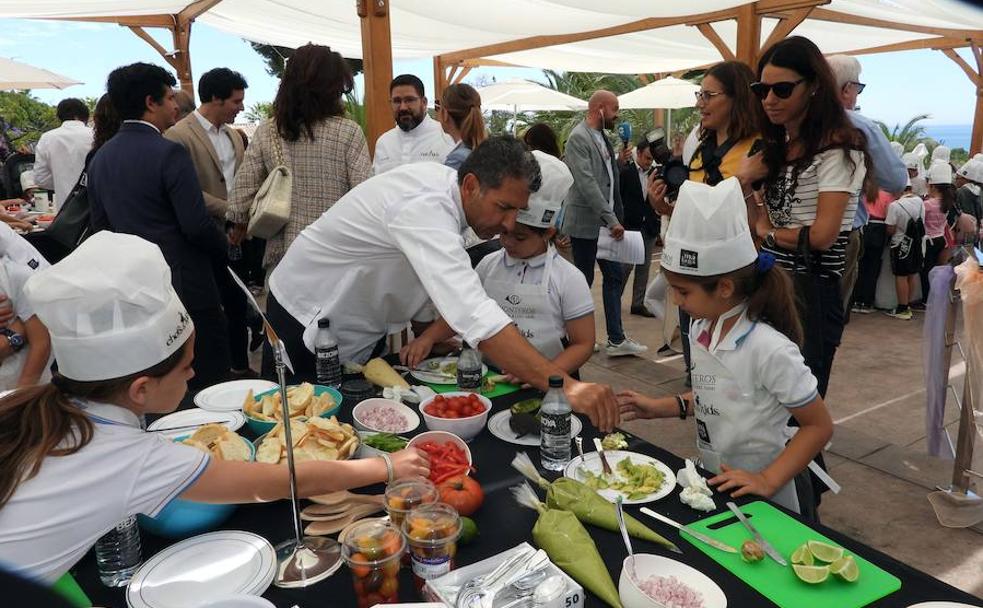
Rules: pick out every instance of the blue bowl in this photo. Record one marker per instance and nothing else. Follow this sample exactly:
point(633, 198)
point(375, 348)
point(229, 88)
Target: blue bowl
point(262, 427)
point(182, 518)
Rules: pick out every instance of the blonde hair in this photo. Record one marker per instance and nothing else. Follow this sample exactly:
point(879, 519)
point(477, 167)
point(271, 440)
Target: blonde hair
point(463, 104)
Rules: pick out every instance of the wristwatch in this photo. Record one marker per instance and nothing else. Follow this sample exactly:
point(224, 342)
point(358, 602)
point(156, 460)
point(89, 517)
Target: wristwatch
point(16, 340)
point(770, 239)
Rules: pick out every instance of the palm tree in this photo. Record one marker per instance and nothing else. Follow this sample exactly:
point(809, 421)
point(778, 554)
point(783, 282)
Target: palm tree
point(909, 135)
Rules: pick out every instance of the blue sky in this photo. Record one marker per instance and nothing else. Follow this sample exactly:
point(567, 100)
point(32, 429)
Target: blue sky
point(899, 85)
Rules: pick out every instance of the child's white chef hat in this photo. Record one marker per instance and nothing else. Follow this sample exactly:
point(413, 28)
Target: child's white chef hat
point(708, 234)
point(941, 153)
point(545, 203)
point(939, 173)
point(110, 308)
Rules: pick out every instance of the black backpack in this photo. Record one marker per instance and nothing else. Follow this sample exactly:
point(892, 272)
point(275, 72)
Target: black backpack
point(909, 250)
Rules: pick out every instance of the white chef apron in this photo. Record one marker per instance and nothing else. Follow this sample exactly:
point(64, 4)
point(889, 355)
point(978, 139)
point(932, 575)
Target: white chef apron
point(528, 305)
point(726, 416)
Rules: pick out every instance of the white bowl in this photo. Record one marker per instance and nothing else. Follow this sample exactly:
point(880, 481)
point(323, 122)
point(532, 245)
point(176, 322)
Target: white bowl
point(236, 601)
point(465, 428)
point(367, 451)
point(442, 438)
point(412, 419)
point(655, 565)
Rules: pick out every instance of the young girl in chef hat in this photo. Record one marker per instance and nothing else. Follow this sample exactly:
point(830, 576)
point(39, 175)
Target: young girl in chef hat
point(544, 294)
point(748, 374)
point(74, 460)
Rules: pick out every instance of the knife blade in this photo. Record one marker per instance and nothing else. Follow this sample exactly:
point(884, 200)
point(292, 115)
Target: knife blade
point(604, 461)
point(713, 542)
point(768, 549)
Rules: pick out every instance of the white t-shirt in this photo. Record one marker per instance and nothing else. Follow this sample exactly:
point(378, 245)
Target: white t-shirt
point(902, 211)
point(427, 142)
point(568, 293)
point(60, 158)
point(53, 519)
point(224, 148)
point(375, 258)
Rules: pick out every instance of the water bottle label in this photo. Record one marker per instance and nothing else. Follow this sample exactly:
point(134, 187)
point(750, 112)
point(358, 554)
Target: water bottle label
point(468, 379)
point(328, 366)
point(555, 424)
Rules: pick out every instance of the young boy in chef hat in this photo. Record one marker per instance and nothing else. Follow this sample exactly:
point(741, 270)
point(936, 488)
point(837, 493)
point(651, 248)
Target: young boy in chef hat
point(74, 460)
point(748, 374)
point(543, 293)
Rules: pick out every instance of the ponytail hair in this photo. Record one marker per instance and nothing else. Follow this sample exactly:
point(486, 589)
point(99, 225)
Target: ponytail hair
point(42, 421)
point(767, 289)
point(947, 196)
point(463, 104)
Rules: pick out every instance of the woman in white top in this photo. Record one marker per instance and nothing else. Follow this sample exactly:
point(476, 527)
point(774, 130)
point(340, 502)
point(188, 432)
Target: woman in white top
point(73, 458)
point(748, 373)
point(545, 295)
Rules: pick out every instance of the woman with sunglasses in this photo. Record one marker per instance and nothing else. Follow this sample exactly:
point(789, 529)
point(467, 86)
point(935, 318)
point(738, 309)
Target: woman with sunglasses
point(813, 166)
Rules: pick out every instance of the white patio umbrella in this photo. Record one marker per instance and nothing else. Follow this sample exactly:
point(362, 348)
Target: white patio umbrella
point(15, 75)
point(526, 96)
point(668, 93)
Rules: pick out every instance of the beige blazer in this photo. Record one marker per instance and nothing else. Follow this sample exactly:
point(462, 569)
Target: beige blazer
point(189, 133)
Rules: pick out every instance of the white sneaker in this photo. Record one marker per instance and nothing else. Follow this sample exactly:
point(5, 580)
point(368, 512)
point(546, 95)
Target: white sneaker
point(597, 347)
point(625, 348)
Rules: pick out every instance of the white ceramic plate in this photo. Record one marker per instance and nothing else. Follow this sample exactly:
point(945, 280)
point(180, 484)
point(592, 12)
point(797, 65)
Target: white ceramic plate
point(499, 427)
point(195, 416)
point(421, 374)
point(941, 604)
point(592, 463)
point(203, 567)
point(647, 565)
point(229, 396)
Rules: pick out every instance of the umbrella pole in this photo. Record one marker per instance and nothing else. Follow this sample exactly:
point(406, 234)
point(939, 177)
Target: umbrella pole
point(515, 118)
point(669, 126)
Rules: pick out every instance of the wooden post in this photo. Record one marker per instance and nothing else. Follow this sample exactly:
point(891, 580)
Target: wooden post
point(976, 77)
point(377, 60)
point(976, 143)
point(748, 34)
point(439, 77)
point(182, 56)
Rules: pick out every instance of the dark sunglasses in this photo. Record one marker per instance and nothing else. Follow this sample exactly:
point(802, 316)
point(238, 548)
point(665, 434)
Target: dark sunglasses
point(783, 90)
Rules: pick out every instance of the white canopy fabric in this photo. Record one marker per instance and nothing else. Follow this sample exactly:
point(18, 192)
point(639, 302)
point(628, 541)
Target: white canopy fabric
point(668, 93)
point(425, 28)
point(526, 96)
point(15, 76)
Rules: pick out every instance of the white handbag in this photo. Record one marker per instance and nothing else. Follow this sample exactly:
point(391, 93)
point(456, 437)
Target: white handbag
point(270, 210)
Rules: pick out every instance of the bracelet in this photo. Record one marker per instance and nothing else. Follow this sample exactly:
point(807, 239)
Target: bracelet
point(390, 473)
point(682, 407)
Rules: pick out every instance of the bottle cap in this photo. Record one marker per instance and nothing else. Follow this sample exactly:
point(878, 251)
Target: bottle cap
point(556, 381)
point(323, 323)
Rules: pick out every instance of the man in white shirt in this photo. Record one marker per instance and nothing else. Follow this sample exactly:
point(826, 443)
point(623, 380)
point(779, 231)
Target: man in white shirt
point(416, 137)
point(394, 244)
point(60, 154)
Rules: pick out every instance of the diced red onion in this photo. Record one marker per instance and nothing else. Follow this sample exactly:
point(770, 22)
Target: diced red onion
point(384, 419)
point(671, 592)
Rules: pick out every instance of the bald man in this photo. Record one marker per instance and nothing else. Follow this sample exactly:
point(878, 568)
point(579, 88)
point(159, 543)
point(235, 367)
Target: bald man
point(593, 204)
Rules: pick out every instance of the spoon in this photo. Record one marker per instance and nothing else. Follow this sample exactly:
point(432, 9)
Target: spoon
point(323, 528)
point(323, 513)
point(343, 497)
point(624, 534)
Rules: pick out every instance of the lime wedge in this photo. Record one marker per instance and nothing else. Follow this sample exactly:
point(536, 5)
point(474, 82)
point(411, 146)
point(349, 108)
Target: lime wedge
point(803, 556)
point(846, 568)
point(811, 574)
point(825, 552)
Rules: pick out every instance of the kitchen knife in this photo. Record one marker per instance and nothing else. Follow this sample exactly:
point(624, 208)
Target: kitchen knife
point(768, 549)
point(604, 461)
point(713, 542)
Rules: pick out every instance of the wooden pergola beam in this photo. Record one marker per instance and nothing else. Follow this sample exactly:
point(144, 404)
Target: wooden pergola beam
point(143, 35)
point(911, 45)
point(711, 34)
point(166, 21)
point(465, 69)
point(196, 9)
point(786, 26)
point(748, 34)
point(825, 14)
point(974, 76)
point(377, 60)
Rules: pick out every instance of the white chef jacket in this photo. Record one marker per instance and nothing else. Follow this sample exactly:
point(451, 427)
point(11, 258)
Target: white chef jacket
point(426, 142)
point(16, 247)
point(377, 256)
point(13, 277)
point(60, 157)
point(55, 517)
point(224, 149)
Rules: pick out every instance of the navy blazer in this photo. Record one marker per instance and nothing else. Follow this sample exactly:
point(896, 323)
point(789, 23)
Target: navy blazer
point(143, 184)
point(639, 214)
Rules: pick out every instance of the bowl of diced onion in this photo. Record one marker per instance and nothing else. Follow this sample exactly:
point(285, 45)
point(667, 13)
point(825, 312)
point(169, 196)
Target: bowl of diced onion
point(384, 416)
point(656, 581)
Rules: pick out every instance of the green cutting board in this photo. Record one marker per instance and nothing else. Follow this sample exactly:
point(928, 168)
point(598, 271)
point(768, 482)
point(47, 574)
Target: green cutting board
point(501, 388)
point(779, 583)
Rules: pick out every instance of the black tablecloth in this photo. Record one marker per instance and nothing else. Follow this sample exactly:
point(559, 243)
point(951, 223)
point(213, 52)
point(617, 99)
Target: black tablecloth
point(504, 524)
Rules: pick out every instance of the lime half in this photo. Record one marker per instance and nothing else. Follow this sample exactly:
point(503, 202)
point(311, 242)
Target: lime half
point(469, 530)
point(811, 574)
point(803, 556)
point(825, 552)
point(846, 568)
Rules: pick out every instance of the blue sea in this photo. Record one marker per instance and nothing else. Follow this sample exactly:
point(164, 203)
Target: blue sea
point(954, 136)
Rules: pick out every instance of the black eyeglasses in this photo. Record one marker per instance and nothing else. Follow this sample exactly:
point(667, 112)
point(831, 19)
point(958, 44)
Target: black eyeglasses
point(706, 96)
point(860, 86)
point(783, 90)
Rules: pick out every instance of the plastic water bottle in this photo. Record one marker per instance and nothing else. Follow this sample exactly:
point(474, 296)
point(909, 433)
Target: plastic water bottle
point(469, 370)
point(554, 434)
point(328, 366)
point(235, 253)
point(118, 553)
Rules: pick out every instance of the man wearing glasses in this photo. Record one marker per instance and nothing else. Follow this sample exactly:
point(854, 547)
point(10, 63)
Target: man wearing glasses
point(889, 172)
point(416, 137)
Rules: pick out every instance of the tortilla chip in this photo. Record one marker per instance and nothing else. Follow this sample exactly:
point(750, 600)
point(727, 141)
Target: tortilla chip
point(209, 433)
point(233, 448)
point(348, 448)
point(269, 406)
point(269, 451)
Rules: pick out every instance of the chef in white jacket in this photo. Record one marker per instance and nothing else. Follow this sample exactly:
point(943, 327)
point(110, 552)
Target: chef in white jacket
point(416, 137)
point(394, 243)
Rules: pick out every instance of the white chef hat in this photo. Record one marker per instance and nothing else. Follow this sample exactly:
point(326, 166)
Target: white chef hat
point(709, 233)
point(978, 157)
point(967, 170)
point(911, 161)
point(545, 203)
point(898, 148)
point(939, 173)
point(975, 171)
point(941, 153)
point(27, 181)
point(110, 308)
